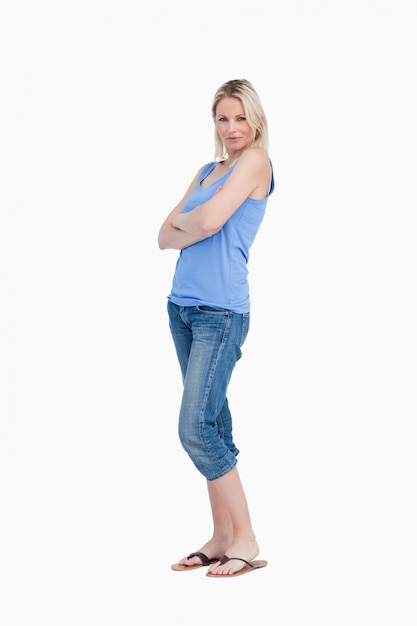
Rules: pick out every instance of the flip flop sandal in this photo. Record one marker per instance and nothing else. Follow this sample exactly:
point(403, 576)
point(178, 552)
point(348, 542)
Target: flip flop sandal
point(248, 567)
point(205, 562)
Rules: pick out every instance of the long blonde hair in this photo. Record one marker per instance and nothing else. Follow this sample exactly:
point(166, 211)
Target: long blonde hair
point(255, 115)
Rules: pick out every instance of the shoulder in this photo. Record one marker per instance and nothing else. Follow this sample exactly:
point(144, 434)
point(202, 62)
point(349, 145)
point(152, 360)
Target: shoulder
point(254, 162)
point(200, 173)
point(254, 166)
point(255, 157)
point(207, 167)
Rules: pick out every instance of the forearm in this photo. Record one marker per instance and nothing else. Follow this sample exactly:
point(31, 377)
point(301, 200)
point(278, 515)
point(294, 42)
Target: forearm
point(181, 230)
point(194, 223)
point(174, 238)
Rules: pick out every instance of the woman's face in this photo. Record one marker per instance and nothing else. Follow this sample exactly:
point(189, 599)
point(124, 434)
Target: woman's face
point(232, 125)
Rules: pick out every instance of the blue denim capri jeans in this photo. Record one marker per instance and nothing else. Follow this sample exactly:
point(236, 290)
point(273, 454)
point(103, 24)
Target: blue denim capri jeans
point(208, 344)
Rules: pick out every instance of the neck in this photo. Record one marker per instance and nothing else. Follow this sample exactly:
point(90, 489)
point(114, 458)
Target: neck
point(232, 163)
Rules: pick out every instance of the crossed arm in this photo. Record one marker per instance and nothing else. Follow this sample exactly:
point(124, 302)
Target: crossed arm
point(172, 236)
point(249, 177)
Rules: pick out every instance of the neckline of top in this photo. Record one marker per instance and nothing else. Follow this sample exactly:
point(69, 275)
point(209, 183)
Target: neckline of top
point(208, 174)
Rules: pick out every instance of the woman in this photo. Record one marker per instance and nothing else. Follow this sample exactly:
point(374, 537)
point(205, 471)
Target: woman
point(214, 226)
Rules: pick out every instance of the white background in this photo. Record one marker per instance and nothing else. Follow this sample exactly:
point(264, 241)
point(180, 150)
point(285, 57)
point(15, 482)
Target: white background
point(105, 118)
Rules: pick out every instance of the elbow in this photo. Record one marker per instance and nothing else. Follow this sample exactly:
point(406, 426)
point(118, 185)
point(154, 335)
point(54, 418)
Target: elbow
point(162, 244)
point(207, 228)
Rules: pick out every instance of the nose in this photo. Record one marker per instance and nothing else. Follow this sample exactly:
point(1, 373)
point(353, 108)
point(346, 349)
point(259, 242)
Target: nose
point(232, 126)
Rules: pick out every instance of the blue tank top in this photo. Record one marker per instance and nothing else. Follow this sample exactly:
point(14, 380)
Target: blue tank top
point(214, 271)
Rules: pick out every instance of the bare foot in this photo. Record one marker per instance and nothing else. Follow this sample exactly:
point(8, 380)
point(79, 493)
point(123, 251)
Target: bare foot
point(212, 549)
point(247, 550)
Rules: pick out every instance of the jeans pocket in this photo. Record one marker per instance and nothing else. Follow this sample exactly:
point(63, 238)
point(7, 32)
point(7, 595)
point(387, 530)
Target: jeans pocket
point(245, 328)
point(204, 308)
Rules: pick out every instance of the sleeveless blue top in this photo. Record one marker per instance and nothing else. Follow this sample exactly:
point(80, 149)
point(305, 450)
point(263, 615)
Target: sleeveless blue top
point(214, 271)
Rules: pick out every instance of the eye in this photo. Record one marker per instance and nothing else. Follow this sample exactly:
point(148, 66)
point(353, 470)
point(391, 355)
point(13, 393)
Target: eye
point(241, 118)
point(222, 119)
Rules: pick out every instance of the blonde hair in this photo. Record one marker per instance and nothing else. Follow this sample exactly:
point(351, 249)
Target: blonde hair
point(255, 115)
